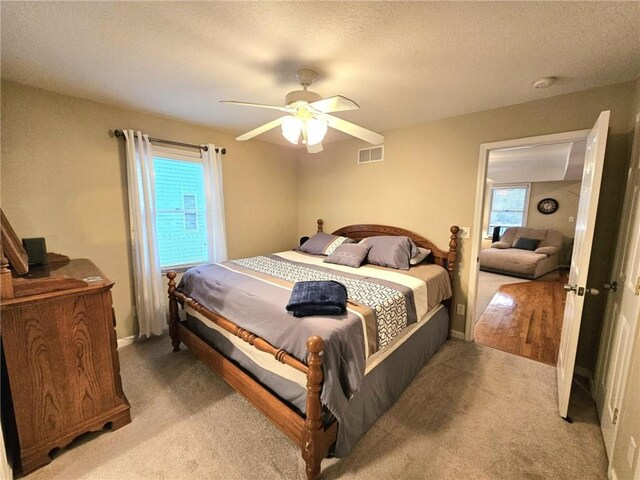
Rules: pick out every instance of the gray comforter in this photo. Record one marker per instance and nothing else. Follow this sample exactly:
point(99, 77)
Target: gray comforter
point(253, 293)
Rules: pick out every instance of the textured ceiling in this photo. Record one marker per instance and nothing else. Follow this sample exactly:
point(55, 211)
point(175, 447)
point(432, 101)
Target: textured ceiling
point(404, 63)
point(537, 163)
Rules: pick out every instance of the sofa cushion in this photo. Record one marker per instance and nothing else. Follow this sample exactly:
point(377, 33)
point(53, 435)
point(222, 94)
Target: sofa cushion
point(508, 235)
point(501, 245)
point(553, 239)
point(527, 244)
point(521, 262)
point(533, 233)
point(547, 250)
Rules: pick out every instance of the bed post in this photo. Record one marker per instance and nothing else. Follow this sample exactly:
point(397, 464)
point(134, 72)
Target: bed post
point(173, 312)
point(320, 224)
point(312, 443)
point(453, 251)
point(451, 267)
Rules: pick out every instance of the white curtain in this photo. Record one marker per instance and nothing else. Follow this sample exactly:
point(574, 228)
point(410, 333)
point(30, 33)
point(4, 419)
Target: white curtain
point(149, 288)
point(212, 163)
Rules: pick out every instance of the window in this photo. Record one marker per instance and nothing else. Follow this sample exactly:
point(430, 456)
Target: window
point(181, 214)
point(508, 207)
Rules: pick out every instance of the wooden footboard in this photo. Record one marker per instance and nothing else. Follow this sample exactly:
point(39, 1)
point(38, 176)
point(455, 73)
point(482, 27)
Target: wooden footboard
point(307, 432)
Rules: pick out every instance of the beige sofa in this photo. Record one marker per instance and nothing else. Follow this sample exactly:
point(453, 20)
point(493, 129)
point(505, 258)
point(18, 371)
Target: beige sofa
point(504, 258)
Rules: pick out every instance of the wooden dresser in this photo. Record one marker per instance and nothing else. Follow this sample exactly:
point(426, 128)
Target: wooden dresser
point(60, 349)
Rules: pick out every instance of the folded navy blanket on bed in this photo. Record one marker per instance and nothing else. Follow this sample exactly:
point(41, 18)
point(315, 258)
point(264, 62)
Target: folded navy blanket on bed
point(318, 298)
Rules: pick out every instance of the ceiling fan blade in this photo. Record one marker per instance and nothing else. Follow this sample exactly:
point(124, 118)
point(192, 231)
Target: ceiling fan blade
point(317, 148)
point(354, 130)
point(259, 105)
point(334, 104)
point(261, 129)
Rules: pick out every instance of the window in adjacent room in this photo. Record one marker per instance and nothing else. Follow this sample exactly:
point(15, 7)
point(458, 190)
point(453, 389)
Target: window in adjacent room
point(183, 232)
point(508, 207)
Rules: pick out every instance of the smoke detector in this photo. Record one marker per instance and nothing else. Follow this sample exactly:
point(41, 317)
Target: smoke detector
point(545, 82)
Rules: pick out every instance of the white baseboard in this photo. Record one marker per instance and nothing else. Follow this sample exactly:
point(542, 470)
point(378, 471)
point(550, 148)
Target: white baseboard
point(457, 334)
point(122, 342)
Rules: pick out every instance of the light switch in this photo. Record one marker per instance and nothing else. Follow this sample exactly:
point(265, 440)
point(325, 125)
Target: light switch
point(570, 219)
point(464, 232)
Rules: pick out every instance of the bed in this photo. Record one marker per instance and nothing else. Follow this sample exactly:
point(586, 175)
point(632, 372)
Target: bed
point(322, 380)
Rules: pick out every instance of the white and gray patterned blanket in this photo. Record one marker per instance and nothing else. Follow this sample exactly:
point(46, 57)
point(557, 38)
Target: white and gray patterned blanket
point(391, 304)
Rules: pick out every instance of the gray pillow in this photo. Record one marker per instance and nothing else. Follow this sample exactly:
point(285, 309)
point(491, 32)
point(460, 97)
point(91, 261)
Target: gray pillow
point(391, 251)
point(323, 244)
point(351, 255)
point(420, 256)
point(527, 243)
point(501, 245)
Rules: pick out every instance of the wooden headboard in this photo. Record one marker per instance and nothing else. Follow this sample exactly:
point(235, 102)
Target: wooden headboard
point(444, 258)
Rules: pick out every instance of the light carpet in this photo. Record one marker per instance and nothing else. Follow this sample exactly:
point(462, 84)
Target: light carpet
point(471, 413)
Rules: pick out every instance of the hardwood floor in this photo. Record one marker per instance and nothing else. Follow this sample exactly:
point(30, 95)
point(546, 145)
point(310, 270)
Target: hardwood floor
point(525, 319)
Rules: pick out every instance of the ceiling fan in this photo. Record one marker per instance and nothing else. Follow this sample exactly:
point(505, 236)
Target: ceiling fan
point(308, 116)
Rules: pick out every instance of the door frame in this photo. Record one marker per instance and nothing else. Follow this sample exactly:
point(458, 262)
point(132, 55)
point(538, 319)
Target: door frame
point(481, 186)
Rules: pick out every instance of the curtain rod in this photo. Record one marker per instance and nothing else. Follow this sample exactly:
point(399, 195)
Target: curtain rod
point(120, 134)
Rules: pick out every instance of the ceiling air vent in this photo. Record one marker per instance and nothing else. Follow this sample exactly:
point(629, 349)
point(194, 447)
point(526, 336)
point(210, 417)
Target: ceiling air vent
point(372, 154)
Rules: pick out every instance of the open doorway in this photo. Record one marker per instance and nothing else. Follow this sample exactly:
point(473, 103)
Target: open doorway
point(528, 195)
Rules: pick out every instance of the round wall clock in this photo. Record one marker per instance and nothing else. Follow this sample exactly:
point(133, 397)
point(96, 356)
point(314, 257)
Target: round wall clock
point(547, 206)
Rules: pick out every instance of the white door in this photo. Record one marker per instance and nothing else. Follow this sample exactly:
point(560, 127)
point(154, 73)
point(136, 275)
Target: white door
point(577, 287)
point(623, 307)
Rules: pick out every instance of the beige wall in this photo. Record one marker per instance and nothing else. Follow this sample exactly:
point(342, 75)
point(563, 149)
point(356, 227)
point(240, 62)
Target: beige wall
point(428, 179)
point(64, 178)
point(567, 194)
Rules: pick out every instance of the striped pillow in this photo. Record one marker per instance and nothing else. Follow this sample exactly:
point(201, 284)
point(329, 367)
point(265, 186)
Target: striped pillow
point(323, 244)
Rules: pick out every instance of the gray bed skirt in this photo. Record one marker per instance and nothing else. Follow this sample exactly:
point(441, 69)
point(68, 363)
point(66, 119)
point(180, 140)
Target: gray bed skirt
point(380, 388)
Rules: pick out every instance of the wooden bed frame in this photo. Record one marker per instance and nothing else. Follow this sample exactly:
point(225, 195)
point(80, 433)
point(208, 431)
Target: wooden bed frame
point(308, 432)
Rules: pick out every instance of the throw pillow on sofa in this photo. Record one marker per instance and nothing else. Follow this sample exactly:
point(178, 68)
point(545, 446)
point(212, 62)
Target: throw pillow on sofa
point(527, 243)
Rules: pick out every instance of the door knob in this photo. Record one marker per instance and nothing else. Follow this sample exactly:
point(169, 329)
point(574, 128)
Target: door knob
point(570, 288)
point(611, 286)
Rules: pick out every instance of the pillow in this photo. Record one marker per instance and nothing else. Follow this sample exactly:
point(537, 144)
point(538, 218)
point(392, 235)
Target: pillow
point(420, 256)
point(547, 250)
point(527, 243)
point(323, 244)
point(526, 232)
point(351, 255)
point(391, 251)
point(501, 245)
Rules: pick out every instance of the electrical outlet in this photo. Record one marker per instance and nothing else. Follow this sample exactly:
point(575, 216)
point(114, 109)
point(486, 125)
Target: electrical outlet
point(464, 232)
point(460, 309)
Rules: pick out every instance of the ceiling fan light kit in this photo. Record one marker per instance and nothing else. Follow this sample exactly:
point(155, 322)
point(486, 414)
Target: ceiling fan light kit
point(308, 115)
point(291, 129)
